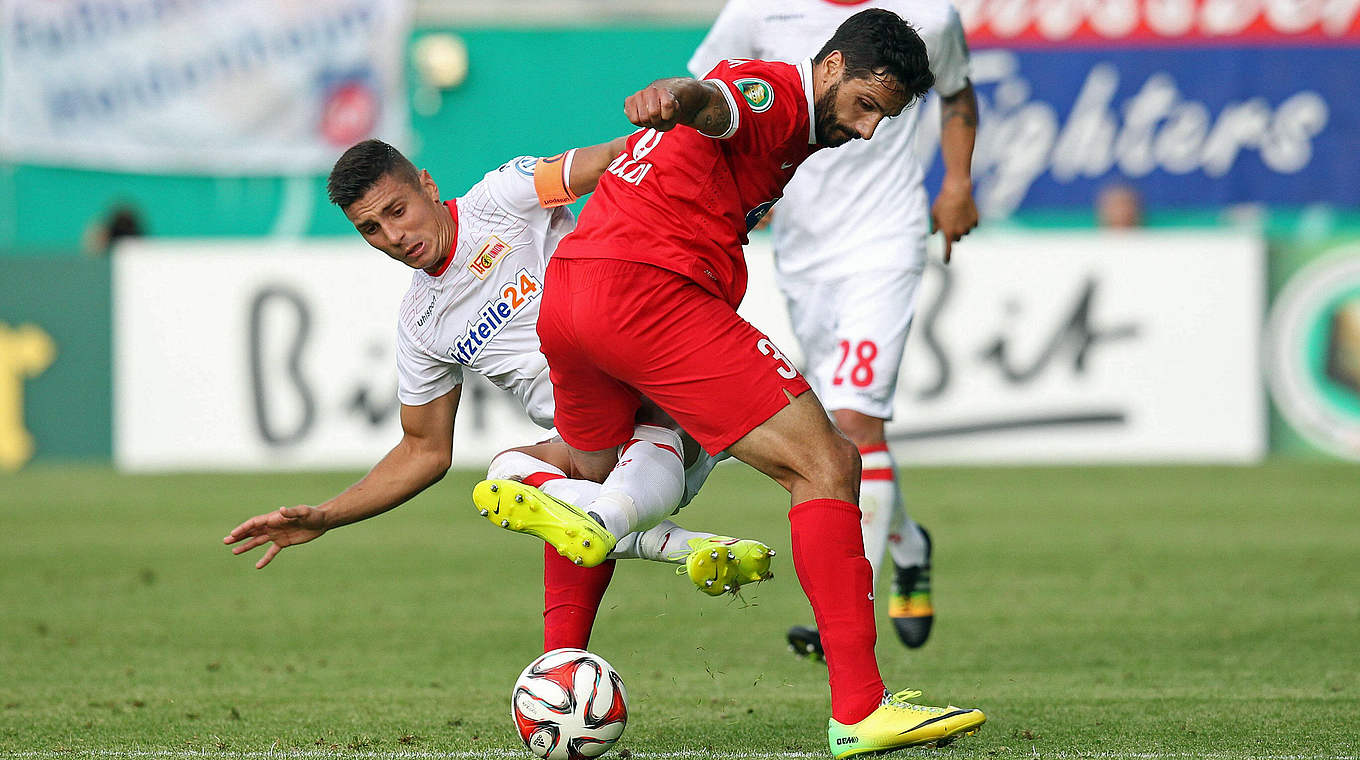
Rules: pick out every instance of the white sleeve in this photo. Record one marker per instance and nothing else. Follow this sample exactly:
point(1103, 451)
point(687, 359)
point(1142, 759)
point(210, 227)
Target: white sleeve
point(512, 186)
point(422, 378)
point(730, 37)
point(950, 64)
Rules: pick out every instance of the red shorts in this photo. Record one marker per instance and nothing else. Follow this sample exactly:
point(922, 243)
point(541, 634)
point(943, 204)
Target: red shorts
point(612, 330)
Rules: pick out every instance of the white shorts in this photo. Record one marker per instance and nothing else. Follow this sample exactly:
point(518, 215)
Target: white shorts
point(853, 330)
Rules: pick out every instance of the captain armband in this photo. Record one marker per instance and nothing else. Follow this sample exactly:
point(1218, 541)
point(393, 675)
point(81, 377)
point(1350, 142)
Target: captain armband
point(552, 180)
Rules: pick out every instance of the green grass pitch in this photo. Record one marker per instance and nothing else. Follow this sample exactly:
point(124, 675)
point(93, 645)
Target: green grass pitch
point(1139, 612)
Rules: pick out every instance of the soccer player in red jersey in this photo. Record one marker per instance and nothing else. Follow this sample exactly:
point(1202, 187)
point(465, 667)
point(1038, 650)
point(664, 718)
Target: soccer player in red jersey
point(641, 301)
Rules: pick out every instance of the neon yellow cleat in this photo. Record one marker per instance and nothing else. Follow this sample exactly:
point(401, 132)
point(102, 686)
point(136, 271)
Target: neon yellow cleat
point(719, 564)
point(525, 509)
point(899, 723)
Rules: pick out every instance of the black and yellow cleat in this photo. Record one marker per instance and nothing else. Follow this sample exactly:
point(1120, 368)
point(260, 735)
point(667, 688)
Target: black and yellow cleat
point(524, 509)
point(910, 607)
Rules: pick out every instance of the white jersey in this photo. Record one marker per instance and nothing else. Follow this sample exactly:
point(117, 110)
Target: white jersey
point(481, 311)
point(860, 207)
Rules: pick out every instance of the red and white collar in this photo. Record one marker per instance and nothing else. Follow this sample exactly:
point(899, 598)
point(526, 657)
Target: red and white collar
point(452, 206)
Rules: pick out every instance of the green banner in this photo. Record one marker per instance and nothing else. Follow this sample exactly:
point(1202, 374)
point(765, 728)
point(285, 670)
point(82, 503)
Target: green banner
point(55, 365)
point(1312, 347)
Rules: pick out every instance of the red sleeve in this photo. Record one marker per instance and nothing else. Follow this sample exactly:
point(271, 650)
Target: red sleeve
point(769, 105)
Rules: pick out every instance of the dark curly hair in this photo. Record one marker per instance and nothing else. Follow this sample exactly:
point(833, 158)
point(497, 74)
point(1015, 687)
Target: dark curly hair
point(360, 168)
point(878, 43)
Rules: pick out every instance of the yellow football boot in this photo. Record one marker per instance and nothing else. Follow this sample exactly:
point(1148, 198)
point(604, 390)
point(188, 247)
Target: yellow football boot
point(899, 723)
point(525, 509)
point(719, 564)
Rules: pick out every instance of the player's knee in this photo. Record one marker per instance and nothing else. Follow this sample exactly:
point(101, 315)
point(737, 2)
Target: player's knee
point(662, 437)
point(516, 465)
point(833, 465)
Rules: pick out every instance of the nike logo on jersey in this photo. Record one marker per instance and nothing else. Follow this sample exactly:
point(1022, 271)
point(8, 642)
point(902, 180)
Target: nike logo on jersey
point(785, 166)
point(516, 296)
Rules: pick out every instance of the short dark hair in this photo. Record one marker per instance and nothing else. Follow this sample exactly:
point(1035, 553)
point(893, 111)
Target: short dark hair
point(360, 168)
point(876, 41)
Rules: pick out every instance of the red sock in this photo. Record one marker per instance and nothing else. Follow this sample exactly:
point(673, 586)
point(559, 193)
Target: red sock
point(571, 597)
point(828, 555)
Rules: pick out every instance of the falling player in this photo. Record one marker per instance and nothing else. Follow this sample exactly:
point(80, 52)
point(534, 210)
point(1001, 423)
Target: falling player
point(641, 301)
point(474, 298)
point(849, 242)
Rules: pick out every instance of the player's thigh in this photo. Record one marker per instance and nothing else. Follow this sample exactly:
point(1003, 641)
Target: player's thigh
point(800, 448)
point(862, 327)
point(714, 373)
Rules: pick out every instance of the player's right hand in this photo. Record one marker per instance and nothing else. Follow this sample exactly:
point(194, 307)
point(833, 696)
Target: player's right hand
point(653, 106)
point(284, 526)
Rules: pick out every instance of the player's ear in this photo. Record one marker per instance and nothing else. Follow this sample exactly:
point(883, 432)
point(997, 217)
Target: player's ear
point(833, 66)
point(427, 184)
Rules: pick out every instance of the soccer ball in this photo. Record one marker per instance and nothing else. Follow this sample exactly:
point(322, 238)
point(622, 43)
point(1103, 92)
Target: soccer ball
point(569, 704)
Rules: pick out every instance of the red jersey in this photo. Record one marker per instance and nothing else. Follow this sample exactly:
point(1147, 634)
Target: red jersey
point(683, 201)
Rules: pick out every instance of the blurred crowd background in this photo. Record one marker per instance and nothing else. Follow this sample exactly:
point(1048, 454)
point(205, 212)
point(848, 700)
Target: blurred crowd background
point(1168, 267)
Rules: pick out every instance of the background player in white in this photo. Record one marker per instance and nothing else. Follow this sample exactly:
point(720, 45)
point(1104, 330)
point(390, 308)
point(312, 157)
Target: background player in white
point(849, 240)
point(473, 304)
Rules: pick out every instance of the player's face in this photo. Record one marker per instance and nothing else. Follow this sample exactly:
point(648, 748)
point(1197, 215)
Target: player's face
point(851, 108)
point(404, 221)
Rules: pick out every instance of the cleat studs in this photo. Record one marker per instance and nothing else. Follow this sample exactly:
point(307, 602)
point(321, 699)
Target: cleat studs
point(505, 523)
point(727, 587)
point(519, 498)
point(585, 542)
point(708, 583)
point(579, 561)
point(770, 553)
point(482, 512)
point(730, 555)
point(495, 488)
point(713, 554)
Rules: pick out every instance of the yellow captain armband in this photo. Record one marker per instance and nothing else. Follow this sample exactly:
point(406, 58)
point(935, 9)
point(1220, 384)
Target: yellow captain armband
point(552, 180)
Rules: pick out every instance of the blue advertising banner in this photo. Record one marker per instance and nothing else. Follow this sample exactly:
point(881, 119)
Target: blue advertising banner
point(1193, 124)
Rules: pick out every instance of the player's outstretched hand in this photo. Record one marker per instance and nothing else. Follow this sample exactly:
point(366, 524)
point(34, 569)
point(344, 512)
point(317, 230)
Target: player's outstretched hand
point(284, 526)
point(653, 106)
point(954, 214)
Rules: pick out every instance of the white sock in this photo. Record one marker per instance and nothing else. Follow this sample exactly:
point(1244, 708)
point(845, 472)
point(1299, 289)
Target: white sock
point(906, 542)
point(665, 542)
point(878, 497)
point(516, 465)
point(645, 486)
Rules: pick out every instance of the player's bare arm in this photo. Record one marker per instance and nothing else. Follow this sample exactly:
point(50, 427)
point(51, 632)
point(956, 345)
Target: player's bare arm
point(590, 162)
point(954, 212)
point(666, 103)
point(414, 464)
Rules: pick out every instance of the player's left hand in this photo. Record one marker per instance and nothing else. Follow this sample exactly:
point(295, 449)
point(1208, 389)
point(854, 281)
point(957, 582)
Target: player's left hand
point(285, 526)
point(954, 214)
point(653, 106)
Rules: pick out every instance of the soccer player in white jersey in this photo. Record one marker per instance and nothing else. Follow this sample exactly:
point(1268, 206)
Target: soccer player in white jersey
point(849, 239)
point(473, 304)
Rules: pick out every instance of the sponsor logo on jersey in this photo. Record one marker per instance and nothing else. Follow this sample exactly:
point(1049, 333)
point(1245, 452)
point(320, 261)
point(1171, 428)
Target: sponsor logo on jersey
point(758, 93)
point(517, 294)
point(491, 252)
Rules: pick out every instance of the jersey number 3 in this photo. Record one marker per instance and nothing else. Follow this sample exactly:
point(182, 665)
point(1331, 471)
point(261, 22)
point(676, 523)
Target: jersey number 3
point(786, 369)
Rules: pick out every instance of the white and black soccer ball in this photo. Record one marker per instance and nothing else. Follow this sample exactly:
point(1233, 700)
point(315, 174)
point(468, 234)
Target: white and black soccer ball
point(569, 704)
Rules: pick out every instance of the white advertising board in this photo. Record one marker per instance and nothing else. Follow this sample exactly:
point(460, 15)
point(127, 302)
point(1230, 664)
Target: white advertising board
point(251, 355)
point(1075, 347)
point(1029, 347)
